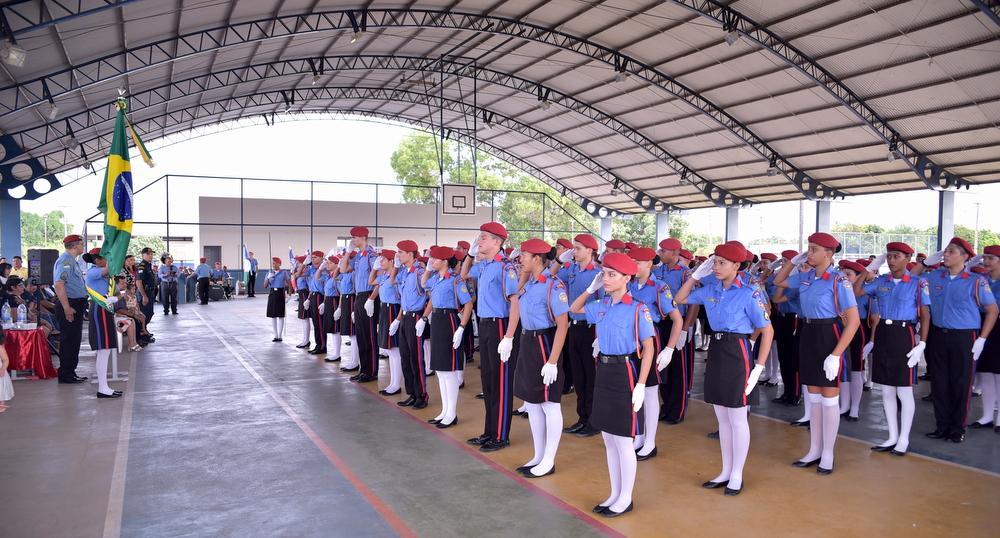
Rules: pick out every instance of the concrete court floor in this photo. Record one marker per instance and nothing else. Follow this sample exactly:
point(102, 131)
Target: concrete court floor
point(223, 433)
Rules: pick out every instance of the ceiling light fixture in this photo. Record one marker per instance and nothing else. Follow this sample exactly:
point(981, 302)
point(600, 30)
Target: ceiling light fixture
point(13, 55)
point(772, 167)
point(894, 152)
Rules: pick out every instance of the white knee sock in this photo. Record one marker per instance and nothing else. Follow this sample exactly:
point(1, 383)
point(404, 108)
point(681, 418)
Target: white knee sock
point(725, 443)
point(274, 326)
point(614, 467)
point(830, 426)
point(443, 391)
point(857, 390)
point(741, 444)
point(355, 358)
point(907, 410)
point(988, 386)
point(305, 332)
point(815, 417)
point(395, 370)
point(651, 417)
point(553, 431)
point(461, 377)
point(281, 326)
point(536, 419)
point(523, 408)
point(427, 355)
point(845, 396)
point(334, 353)
point(102, 371)
point(451, 387)
point(807, 411)
point(626, 458)
point(771, 367)
point(889, 405)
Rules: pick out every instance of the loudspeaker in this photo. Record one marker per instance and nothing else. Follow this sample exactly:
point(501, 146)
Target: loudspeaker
point(41, 261)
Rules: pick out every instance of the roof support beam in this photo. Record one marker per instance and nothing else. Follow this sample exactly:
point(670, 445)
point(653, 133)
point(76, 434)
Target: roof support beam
point(26, 16)
point(991, 8)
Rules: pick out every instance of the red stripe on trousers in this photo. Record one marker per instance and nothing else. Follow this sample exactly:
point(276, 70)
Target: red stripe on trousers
point(746, 368)
point(545, 359)
point(502, 394)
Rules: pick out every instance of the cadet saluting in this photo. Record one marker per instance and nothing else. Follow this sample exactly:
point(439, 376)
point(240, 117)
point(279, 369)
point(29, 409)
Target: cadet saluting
point(277, 282)
point(988, 366)
point(384, 278)
point(412, 300)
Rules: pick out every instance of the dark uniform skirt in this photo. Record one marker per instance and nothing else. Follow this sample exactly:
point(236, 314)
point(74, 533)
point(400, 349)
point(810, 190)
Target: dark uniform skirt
point(817, 338)
point(346, 307)
point(612, 412)
point(103, 333)
point(533, 352)
point(889, 354)
point(387, 312)
point(989, 361)
point(861, 337)
point(330, 303)
point(445, 358)
point(276, 303)
point(303, 295)
point(727, 370)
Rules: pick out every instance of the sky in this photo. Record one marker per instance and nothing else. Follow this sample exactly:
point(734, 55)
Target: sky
point(359, 151)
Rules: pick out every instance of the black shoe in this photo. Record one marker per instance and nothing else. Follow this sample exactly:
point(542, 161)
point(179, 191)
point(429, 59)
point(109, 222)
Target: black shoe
point(318, 351)
point(70, 381)
point(407, 402)
point(114, 395)
point(588, 431)
point(524, 415)
point(355, 369)
point(275, 340)
point(420, 404)
point(771, 384)
point(823, 471)
point(355, 377)
point(301, 346)
point(328, 359)
point(957, 437)
point(866, 388)
point(924, 377)
point(713, 435)
point(599, 509)
point(804, 464)
point(442, 425)
point(928, 398)
point(881, 448)
point(608, 512)
point(673, 421)
point(652, 454)
point(384, 392)
point(799, 423)
point(480, 396)
point(478, 441)
point(937, 434)
point(978, 425)
point(575, 427)
point(895, 452)
point(851, 419)
point(429, 374)
point(367, 379)
point(79, 378)
point(733, 492)
point(462, 386)
point(433, 420)
point(517, 413)
point(528, 474)
point(715, 485)
point(493, 445)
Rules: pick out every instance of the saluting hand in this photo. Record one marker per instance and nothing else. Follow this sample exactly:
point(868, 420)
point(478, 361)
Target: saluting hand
point(566, 257)
point(937, 257)
point(800, 258)
point(704, 269)
point(875, 264)
point(597, 283)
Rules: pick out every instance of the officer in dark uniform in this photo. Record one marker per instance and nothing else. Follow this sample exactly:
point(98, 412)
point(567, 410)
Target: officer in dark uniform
point(412, 299)
point(71, 294)
point(147, 279)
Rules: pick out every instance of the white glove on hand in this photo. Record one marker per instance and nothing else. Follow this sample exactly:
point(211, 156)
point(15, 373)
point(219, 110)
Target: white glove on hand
point(831, 366)
point(421, 324)
point(336, 314)
point(323, 266)
point(566, 256)
point(456, 340)
point(395, 261)
point(378, 261)
point(549, 373)
point(352, 316)
point(111, 300)
point(321, 308)
point(875, 264)
point(597, 283)
point(514, 253)
point(753, 379)
point(977, 348)
point(774, 265)
point(704, 269)
point(937, 257)
point(370, 307)
point(638, 396)
point(393, 327)
point(974, 262)
point(663, 359)
point(915, 354)
point(474, 246)
point(305, 304)
point(596, 347)
point(505, 347)
point(800, 258)
point(867, 350)
point(682, 339)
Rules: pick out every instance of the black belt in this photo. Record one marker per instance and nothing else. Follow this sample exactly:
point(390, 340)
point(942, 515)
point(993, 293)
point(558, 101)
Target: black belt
point(580, 322)
point(492, 319)
point(277, 289)
point(729, 336)
point(942, 329)
point(902, 323)
point(444, 311)
point(360, 293)
point(77, 299)
point(820, 321)
point(414, 313)
point(616, 359)
point(537, 332)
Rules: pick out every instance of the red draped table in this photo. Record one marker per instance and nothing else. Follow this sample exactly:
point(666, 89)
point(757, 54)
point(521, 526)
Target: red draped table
point(28, 350)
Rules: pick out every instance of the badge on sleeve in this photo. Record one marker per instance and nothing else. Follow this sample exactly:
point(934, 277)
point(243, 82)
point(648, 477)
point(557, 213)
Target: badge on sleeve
point(645, 313)
point(562, 297)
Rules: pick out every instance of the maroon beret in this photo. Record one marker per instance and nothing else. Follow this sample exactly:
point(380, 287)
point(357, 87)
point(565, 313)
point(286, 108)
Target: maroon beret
point(910, 265)
point(921, 255)
point(825, 240)
point(620, 262)
point(586, 240)
point(670, 244)
point(749, 257)
point(642, 254)
point(616, 243)
point(899, 247)
point(333, 259)
point(203, 260)
point(442, 253)
point(769, 256)
point(495, 228)
point(71, 239)
point(732, 251)
point(993, 250)
point(508, 250)
point(853, 266)
point(536, 246)
point(789, 254)
point(299, 259)
point(359, 231)
point(464, 245)
point(963, 244)
point(630, 245)
point(407, 246)
point(276, 259)
point(388, 253)
point(318, 254)
point(563, 242)
point(863, 262)
point(686, 254)
point(94, 252)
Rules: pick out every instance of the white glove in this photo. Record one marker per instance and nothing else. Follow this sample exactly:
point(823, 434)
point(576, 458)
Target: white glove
point(111, 300)
point(393, 327)
point(754, 377)
point(505, 347)
point(474, 246)
point(875, 264)
point(378, 261)
point(867, 350)
point(597, 283)
point(336, 314)
point(774, 265)
point(915, 354)
point(322, 266)
point(831, 366)
point(682, 339)
point(753, 267)
point(270, 275)
point(370, 307)
point(566, 256)
point(638, 395)
point(395, 261)
point(934, 258)
point(421, 324)
point(663, 359)
point(704, 269)
point(352, 316)
point(800, 258)
point(977, 348)
point(597, 348)
point(456, 340)
point(549, 373)
point(600, 259)
point(514, 253)
point(305, 304)
point(321, 308)
point(975, 261)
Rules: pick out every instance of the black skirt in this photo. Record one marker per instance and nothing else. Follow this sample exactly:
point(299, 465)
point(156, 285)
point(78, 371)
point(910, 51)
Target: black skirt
point(303, 295)
point(102, 331)
point(989, 361)
point(892, 343)
point(276, 303)
point(533, 352)
point(387, 312)
point(330, 303)
point(444, 357)
point(861, 337)
point(816, 342)
point(612, 409)
point(346, 307)
point(727, 369)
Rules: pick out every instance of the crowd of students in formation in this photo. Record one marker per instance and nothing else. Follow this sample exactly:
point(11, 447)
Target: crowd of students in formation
point(617, 329)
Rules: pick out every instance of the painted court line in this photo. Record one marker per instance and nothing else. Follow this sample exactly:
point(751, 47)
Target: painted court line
point(116, 497)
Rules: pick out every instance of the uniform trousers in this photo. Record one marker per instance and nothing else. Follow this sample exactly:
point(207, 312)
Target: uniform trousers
point(319, 334)
point(169, 297)
point(366, 329)
point(787, 339)
point(497, 377)
point(675, 379)
point(251, 283)
point(411, 354)
point(579, 353)
point(70, 336)
point(949, 355)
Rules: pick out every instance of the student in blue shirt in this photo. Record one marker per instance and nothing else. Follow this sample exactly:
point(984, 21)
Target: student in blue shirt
point(785, 324)
point(316, 274)
point(676, 378)
point(359, 266)
point(737, 312)
point(344, 314)
point(302, 291)
point(413, 298)
point(625, 339)
point(277, 282)
point(383, 277)
point(829, 321)
point(988, 365)
point(331, 302)
point(71, 292)
point(103, 334)
point(852, 391)
point(542, 307)
point(204, 274)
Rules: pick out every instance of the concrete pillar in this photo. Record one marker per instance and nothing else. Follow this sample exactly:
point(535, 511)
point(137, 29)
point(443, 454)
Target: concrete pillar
point(662, 226)
point(605, 231)
point(10, 228)
point(823, 216)
point(946, 218)
point(732, 224)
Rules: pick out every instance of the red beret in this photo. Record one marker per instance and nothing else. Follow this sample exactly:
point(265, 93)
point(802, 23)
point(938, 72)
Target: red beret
point(563, 242)
point(536, 246)
point(616, 243)
point(318, 254)
point(359, 231)
point(921, 255)
point(203, 260)
point(979, 269)
point(864, 262)
point(388, 253)
point(769, 256)
point(333, 259)
point(276, 259)
point(407, 246)
point(789, 254)
point(464, 245)
point(963, 244)
point(299, 259)
point(899, 247)
point(993, 250)
point(911, 265)
point(702, 258)
point(670, 244)
point(508, 250)
point(686, 254)
point(620, 262)
point(732, 251)
point(642, 254)
point(94, 252)
point(586, 240)
point(71, 239)
point(853, 266)
point(825, 240)
point(749, 257)
point(495, 228)
point(442, 253)
point(423, 259)
point(630, 245)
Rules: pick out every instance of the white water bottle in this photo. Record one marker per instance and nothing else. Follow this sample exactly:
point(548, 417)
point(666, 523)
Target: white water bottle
point(5, 314)
point(22, 315)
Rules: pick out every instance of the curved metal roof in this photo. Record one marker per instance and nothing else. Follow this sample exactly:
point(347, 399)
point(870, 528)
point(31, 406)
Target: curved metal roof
point(630, 105)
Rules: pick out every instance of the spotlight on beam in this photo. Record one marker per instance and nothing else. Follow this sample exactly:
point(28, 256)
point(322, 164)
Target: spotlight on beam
point(356, 37)
point(12, 55)
point(53, 113)
point(772, 167)
point(732, 37)
point(546, 104)
point(894, 152)
point(621, 76)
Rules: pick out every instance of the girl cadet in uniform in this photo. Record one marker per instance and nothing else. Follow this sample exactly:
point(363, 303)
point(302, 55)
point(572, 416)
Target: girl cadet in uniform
point(302, 290)
point(659, 299)
point(542, 306)
point(383, 277)
point(829, 321)
point(278, 284)
point(103, 336)
point(852, 390)
point(412, 298)
point(624, 334)
point(737, 312)
point(331, 301)
point(449, 308)
point(988, 365)
point(901, 300)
